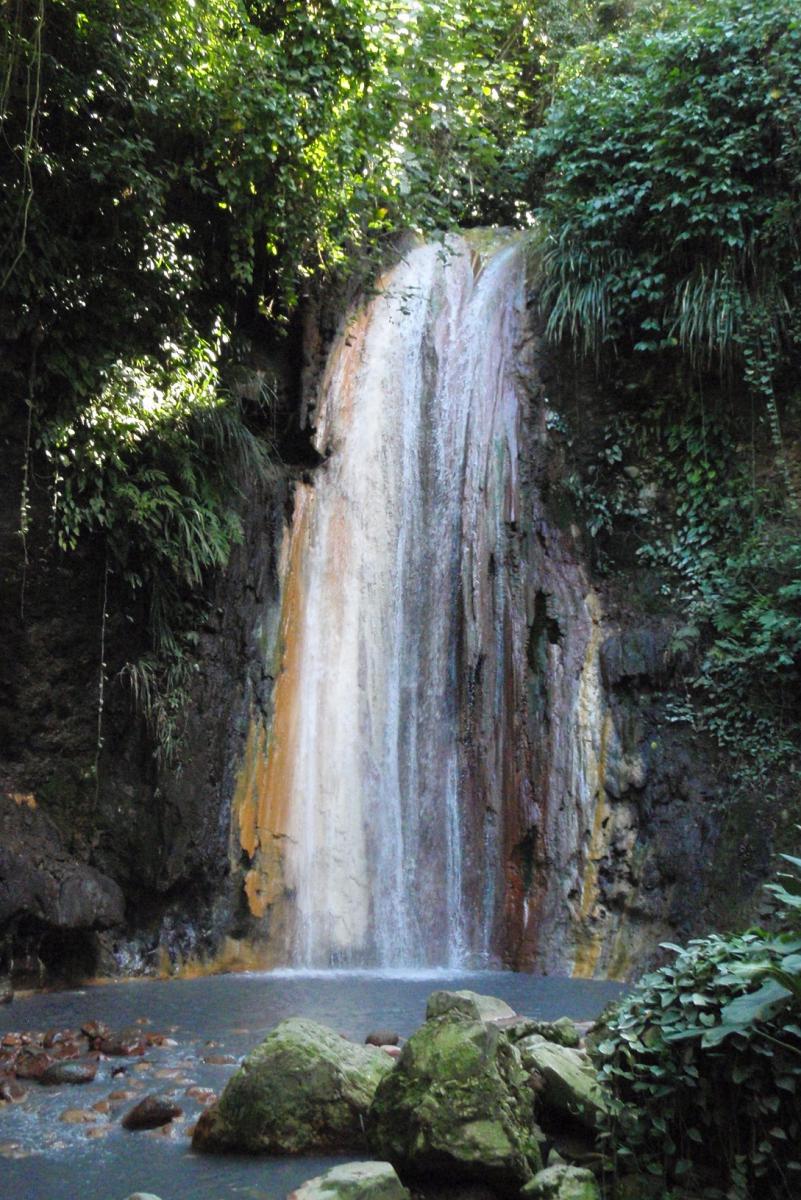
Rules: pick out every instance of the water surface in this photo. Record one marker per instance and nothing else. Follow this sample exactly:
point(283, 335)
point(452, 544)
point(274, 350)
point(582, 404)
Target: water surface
point(218, 1016)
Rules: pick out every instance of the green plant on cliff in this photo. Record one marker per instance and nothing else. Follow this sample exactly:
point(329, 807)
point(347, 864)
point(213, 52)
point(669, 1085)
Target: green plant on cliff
point(668, 176)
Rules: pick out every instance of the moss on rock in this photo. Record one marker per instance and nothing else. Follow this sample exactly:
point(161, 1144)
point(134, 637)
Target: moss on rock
point(305, 1088)
point(458, 1104)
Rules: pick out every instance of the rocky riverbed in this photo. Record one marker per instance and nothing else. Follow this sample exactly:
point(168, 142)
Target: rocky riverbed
point(153, 1058)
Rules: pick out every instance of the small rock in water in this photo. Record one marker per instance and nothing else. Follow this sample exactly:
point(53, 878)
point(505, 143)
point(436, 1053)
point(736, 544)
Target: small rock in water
point(219, 1060)
point(96, 1030)
point(382, 1037)
point(97, 1131)
point(77, 1116)
point(32, 1064)
point(202, 1095)
point(69, 1072)
point(150, 1113)
point(123, 1045)
point(12, 1092)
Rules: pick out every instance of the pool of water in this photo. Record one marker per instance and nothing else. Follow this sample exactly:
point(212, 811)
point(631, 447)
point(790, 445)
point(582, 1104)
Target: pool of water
point(42, 1158)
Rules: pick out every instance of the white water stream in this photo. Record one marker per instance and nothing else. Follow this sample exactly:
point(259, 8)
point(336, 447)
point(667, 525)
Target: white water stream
point(391, 567)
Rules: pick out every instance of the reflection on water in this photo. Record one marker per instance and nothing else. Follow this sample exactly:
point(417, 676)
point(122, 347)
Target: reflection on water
point(214, 1018)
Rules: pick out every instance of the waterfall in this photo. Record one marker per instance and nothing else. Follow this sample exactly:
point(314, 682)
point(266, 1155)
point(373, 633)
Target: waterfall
point(394, 604)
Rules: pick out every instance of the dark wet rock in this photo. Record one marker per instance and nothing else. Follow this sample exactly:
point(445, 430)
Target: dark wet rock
point(57, 1037)
point(354, 1181)
point(304, 1089)
point(32, 1064)
point(96, 1030)
point(382, 1037)
point(69, 1072)
point(128, 1044)
point(151, 1112)
point(12, 1092)
point(40, 879)
point(639, 653)
point(468, 1004)
point(457, 1105)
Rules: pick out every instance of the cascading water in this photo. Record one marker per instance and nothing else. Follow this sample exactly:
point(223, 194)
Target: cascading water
point(393, 580)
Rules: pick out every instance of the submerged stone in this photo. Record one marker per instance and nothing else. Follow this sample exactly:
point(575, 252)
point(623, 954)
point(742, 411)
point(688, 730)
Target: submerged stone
point(458, 1105)
point(304, 1089)
point(468, 1004)
point(354, 1181)
point(562, 1183)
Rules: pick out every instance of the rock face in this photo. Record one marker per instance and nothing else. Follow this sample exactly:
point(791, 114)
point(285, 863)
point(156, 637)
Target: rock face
point(569, 1083)
point(468, 1004)
point(562, 1183)
point(354, 1181)
point(305, 1089)
point(458, 1106)
point(41, 881)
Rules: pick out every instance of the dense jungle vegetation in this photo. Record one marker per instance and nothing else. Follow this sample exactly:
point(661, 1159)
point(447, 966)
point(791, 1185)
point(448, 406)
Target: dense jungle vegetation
point(182, 174)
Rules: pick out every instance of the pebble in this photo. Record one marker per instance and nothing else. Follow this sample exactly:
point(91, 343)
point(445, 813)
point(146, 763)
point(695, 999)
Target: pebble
point(77, 1116)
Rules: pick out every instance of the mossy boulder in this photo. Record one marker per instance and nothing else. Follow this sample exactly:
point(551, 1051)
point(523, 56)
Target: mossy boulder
point(562, 1183)
point(569, 1084)
point(468, 1004)
point(354, 1181)
point(563, 1032)
point(304, 1089)
point(458, 1105)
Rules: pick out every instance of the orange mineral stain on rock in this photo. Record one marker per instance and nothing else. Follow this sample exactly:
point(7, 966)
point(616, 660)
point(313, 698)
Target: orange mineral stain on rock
point(264, 783)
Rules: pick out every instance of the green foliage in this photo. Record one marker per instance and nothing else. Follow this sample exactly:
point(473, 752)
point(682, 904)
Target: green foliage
point(706, 1070)
point(670, 485)
point(672, 164)
point(179, 168)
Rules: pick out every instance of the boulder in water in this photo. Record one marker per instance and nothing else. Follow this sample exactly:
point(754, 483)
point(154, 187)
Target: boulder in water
point(569, 1084)
point(151, 1113)
point(468, 1004)
point(457, 1106)
point(304, 1089)
point(69, 1072)
point(354, 1181)
point(562, 1183)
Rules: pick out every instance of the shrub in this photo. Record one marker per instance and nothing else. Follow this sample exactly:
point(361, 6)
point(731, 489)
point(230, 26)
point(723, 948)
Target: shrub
point(705, 1068)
